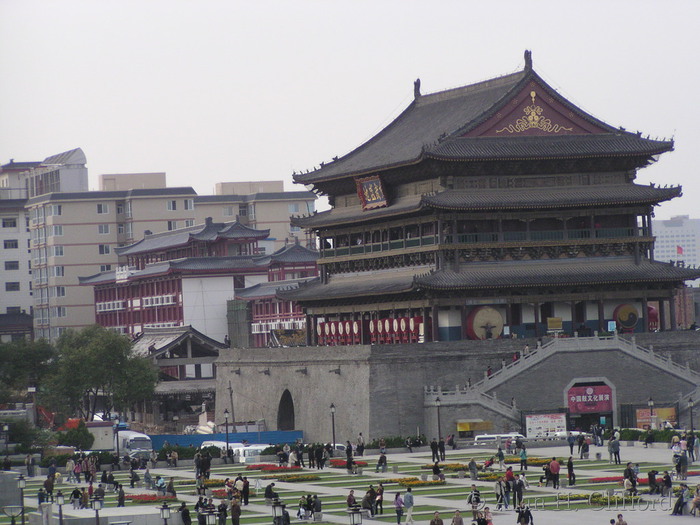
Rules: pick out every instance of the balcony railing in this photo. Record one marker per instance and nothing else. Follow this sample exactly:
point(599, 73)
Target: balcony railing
point(485, 238)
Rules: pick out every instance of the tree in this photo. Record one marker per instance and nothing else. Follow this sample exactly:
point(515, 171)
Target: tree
point(23, 363)
point(97, 364)
point(79, 437)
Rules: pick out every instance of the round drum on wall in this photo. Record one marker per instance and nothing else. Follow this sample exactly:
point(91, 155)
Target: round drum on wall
point(626, 316)
point(484, 322)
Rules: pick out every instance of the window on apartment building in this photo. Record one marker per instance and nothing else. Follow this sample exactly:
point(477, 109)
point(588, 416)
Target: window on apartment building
point(55, 209)
point(120, 228)
point(172, 205)
point(11, 244)
point(105, 267)
point(57, 271)
point(251, 211)
point(56, 230)
point(11, 265)
point(189, 222)
point(243, 210)
point(189, 204)
point(58, 291)
point(103, 229)
point(14, 310)
point(57, 251)
point(10, 222)
point(120, 209)
point(12, 287)
point(294, 207)
point(172, 225)
point(58, 311)
point(104, 249)
point(228, 211)
point(102, 208)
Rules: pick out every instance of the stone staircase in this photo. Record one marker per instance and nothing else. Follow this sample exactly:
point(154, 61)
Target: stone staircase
point(470, 396)
point(575, 344)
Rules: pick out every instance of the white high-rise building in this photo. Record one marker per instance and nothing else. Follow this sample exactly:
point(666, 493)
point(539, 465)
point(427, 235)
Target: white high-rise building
point(678, 239)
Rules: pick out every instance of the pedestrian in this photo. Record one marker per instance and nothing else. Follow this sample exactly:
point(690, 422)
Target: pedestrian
point(683, 498)
point(571, 440)
point(518, 489)
point(473, 500)
point(408, 505)
point(457, 518)
point(434, 450)
point(500, 489)
point(524, 516)
point(523, 458)
point(381, 463)
point(620, 521)
point(488, 516)
point(501, 458)
point(441, 448)
point(185, 514)
point(245, 492)
point(473, 469)
point(222, 510)
point(379, 507)
point(360, 444)
point(554, 468)
point(436, 519)
point(170, 489)
point(398, 507)
point(235, 512)
point(121, 497)
point(570, 471)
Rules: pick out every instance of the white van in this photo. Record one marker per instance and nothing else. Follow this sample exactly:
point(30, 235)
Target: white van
point(221, 445)
point(497, 438)
point(130, 441)
point(250, 453)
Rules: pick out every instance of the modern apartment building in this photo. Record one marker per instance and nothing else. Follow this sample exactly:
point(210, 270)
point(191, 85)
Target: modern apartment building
point(16, 280)
point(131, 181)
point(262, 205)
point(75, 234)
point(677, 239)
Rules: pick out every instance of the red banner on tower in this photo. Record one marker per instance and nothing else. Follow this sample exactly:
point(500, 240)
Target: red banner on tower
point(588, 399)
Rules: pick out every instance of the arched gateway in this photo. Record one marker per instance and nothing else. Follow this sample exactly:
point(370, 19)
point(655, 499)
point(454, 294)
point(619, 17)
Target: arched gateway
point(285, 412)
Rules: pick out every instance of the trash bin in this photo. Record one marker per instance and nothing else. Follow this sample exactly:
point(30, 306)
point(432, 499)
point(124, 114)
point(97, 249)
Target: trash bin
point(598, 456)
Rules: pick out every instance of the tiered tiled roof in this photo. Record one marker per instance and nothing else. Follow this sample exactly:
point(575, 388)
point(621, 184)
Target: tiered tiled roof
point(435, 125)
point(209, 231)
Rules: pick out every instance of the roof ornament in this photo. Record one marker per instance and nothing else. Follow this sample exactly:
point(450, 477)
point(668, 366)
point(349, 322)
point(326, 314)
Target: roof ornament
point(528, 60)
point(416, 88)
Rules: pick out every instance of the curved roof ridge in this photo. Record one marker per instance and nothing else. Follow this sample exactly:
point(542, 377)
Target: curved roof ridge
point(456, 92)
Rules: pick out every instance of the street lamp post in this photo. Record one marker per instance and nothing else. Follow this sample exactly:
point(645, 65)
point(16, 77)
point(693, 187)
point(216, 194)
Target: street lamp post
point(165, 513)
point(60, 501)
point(437, 405)
point(6, 433)
point(22, 484)
point(97, 506)
point(650, 403)
point(691, 404)
point(226, 420)
point(116, 440)
point(12, 511)
point(333, 424)
point(278, 512)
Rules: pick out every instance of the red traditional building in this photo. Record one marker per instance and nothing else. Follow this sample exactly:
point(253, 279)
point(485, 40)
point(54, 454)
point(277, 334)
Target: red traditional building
point(494, 209)
point(185, 277)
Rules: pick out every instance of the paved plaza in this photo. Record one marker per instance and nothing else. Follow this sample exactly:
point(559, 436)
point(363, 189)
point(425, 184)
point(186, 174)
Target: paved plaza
point(549, 506)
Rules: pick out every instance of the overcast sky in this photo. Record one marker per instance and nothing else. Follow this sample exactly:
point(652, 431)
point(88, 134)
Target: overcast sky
point(211, 91)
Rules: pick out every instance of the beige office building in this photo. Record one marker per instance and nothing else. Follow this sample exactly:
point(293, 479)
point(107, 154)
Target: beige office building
point(75, 234)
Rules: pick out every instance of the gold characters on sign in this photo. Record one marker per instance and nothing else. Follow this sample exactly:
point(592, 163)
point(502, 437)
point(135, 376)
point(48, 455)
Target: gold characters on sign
point(373, 192)
point(533, 119)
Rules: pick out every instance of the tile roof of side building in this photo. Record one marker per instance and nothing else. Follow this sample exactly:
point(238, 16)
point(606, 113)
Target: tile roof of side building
point(435, 125)
point(209, 231)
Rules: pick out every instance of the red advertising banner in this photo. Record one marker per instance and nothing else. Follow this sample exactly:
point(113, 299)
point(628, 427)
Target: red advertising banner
point(588, 399)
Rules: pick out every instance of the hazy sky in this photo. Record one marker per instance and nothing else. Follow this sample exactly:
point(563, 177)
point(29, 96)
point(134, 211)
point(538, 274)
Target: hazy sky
point(211, 91)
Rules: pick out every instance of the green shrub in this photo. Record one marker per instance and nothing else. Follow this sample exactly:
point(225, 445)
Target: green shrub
point(79, 437)
point(182, 452)
point(391, 442)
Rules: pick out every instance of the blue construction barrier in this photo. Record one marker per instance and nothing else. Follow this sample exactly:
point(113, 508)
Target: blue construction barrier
point(264, 438)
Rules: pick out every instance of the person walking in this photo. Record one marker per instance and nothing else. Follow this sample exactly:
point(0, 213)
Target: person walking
point(121, 497)
point(441, 448)
point(437, 520)
point(457, 518)
point(524, 516)
point(571, 440)
point(235, 512)
point(185, 514)
point(473, 500)
point(570, 471)
point(398, 507)
point(501, 458)
point(408, 505)
point(500, 489)
point(554, 468)
point(434, 450)
point(523, 458)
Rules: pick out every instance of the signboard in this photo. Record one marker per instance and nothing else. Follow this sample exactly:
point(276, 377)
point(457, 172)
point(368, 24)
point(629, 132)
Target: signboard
point(542, 425)
point(554, 323)
point(612, 326)
point(589, 399)
point(370, 190)
point(661, 414)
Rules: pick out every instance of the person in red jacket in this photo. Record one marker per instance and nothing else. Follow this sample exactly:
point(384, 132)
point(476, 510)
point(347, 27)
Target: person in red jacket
point(554, 468)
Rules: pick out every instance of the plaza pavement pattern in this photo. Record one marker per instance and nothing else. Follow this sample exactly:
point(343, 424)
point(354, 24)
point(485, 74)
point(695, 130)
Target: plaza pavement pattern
point(335, 484)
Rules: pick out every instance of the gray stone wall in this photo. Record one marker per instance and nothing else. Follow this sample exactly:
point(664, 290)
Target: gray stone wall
point(379, 390)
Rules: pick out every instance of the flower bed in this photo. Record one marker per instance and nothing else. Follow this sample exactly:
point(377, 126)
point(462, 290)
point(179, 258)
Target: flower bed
point(271, 467)
point(219, 493)
point(294, 478)
point(148, 498)
point(389, 481)
point(533, 461)
point(490, 476)
point(450, 467)
point(341, 463)
point(214, 482)
point(421, 483)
